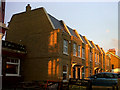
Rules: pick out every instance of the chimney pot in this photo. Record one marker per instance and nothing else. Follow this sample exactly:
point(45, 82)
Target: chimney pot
point(28, 8)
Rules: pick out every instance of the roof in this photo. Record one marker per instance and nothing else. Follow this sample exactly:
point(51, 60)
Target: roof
point(94, 45)
point(57, 24)
point(91, 44)
point(113, 55)
point(103, 51)
point(71, 31)
point(84, 41)
point(87, 41)
point(98, 48)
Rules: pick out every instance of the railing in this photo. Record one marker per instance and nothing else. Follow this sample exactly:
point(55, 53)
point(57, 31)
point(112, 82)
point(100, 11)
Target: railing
point(42, 85)
point(54, 85)
point(77, 83)
point(73, 84)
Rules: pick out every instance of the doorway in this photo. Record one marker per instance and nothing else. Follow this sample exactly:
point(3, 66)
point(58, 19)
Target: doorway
point(78, 73)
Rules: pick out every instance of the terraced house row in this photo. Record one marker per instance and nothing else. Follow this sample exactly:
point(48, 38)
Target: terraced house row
point(54, 50)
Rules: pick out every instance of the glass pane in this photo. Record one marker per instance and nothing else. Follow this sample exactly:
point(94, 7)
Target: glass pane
point(100, 76)
point(64, 76)
point(11, 69)
point(108, 76)
point(64, 68)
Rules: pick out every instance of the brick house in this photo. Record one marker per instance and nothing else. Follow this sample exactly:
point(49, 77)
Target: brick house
point(113, 61)
point(44, 36)
point(54, 50)
point(12, 59)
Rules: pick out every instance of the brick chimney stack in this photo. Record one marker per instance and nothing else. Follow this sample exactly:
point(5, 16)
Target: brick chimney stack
point(112, 51)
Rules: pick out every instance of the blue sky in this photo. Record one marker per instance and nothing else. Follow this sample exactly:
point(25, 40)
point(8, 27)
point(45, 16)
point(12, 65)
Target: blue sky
point(98, 21)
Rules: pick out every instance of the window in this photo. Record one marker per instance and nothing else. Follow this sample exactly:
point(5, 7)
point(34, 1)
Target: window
point(65, 47)
point(108, 75)
point(100, 76)
point(83, 73)
point(49, 67)
point(90, 56)
point(53, 38)
point(99, 58)
point(12, 67)
point(83, 53)
point(79, 47)
point(74, 49)
point(95, 57)
point(108, 63)
point(112, 66)
point(54, 64)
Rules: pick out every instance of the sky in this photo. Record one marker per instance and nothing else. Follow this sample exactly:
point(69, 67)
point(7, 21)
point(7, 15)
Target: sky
point(98, 21)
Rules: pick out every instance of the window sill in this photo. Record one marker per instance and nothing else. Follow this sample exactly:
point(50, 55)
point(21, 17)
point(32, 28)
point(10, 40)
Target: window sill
point(12, 75)
point(65, 72)
point(74, 55)
point(83, 58)
point(65, 53)
point(79, 57)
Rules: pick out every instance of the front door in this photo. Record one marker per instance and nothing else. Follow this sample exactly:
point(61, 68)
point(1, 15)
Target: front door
point(74, 71)
point(78, 73)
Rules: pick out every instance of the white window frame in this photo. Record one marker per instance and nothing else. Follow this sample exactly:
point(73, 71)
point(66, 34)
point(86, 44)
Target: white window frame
point(65, 47)
point(91, 56)
point(65, 73)
point(108, 62)
point(79, 50)
point(83, 53)
point(74, 49)
point(95, 58)
point(14, 63)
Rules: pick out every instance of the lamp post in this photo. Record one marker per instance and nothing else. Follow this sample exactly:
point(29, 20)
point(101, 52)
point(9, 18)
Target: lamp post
point(3, 28)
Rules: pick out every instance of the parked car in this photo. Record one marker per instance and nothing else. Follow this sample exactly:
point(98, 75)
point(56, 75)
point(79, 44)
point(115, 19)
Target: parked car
point(104, 79)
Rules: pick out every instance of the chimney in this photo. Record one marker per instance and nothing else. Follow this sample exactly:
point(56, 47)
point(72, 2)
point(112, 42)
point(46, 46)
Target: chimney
point(112, 51)
point(28, 8)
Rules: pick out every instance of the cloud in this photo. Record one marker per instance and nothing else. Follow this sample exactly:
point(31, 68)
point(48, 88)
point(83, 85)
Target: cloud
point(114, 42)
point(107, 31)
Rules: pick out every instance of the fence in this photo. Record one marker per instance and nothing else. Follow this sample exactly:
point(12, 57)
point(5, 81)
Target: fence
point(42, 85)
point(73, 84)
point(77, 83)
